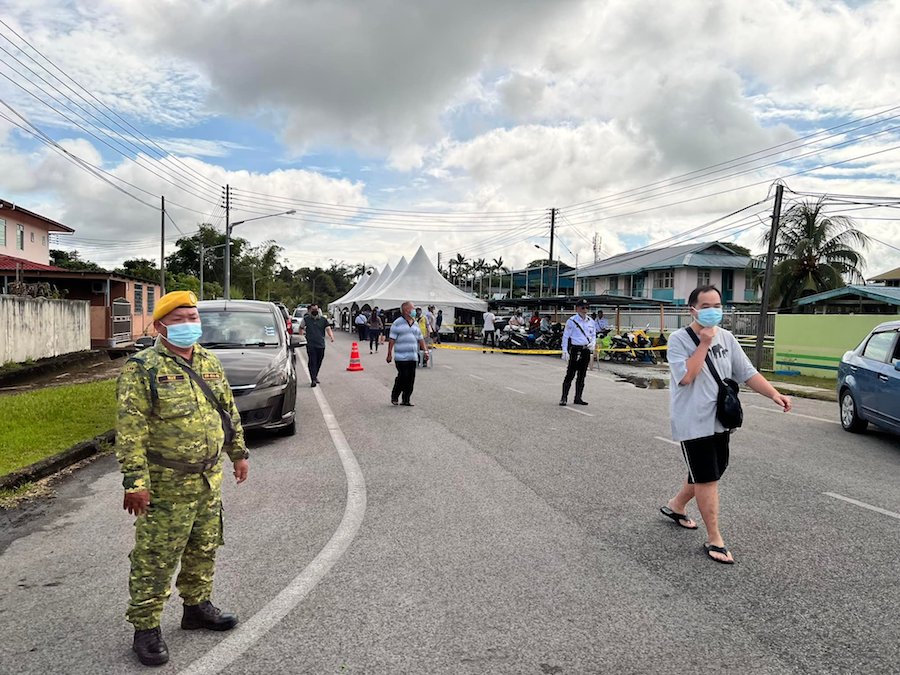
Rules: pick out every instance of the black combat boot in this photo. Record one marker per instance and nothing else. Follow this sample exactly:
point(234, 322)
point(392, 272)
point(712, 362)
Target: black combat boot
point(150, 647)
point(207, 615)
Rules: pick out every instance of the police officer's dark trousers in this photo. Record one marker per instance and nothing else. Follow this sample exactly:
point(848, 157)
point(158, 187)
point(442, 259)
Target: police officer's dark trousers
point(579, 358)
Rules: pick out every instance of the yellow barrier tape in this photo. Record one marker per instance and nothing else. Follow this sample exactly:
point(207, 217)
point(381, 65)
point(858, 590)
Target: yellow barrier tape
point(632, 349)
point(464, 348)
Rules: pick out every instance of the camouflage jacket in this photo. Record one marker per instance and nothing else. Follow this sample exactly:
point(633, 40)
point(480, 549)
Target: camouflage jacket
point(161, 409)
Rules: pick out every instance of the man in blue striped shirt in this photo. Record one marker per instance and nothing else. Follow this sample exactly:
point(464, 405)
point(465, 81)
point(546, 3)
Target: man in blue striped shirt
point(406, 340)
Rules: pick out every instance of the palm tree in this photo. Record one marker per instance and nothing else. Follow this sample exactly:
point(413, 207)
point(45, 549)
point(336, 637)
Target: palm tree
point(459, 262)
point(479, 266)
point(814, 252)
point(497, 266)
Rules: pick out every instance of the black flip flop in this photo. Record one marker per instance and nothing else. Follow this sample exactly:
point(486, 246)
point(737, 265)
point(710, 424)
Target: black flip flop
point(678, 518)
point(709, 548)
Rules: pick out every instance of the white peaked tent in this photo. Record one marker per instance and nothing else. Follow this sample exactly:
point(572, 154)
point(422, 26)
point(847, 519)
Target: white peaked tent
point(367, 281)
point(383, 278)
point(421, 283)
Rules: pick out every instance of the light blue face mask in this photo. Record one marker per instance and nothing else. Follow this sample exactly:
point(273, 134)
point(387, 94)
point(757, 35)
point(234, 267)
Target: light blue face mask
point(183, 335)
point(709, 317)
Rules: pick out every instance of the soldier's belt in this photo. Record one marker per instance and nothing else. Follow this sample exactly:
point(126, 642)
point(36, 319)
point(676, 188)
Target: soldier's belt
point(184, 467)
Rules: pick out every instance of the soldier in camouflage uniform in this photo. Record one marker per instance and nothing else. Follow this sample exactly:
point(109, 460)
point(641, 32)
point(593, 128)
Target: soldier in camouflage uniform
point(170, 439)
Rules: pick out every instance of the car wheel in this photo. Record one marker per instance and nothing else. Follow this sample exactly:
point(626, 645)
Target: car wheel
point(850, 420)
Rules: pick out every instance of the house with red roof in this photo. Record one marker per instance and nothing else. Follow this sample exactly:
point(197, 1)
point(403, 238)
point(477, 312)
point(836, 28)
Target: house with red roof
point(121, 306)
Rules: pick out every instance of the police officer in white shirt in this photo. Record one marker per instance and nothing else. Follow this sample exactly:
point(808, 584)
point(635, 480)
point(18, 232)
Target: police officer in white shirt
point(578, 343)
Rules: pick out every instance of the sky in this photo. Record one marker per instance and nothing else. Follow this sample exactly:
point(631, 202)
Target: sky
point(389, 124)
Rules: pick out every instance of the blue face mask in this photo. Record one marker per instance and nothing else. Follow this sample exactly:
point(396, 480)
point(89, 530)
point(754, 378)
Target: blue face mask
point(184, 335)
point(709, 317)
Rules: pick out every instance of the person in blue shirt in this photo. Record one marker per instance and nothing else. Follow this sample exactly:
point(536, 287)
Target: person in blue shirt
point(578, 343)
point(602, 324)
point(404, 343)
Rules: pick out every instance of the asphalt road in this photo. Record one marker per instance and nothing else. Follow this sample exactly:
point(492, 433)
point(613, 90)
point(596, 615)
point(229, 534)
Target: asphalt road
point(495, 533)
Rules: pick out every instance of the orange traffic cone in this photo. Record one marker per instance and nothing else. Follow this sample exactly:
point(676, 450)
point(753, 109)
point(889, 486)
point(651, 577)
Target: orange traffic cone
point(355, 365)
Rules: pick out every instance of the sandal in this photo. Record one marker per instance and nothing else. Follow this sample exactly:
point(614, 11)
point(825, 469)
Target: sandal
point(678, 518)
point(709, 548)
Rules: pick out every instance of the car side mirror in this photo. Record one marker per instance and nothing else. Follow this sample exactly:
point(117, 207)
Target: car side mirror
point(295, 342)
point(897, 365)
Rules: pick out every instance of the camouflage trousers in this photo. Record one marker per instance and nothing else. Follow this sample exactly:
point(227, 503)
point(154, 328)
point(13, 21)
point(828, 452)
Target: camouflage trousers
point(183, 524)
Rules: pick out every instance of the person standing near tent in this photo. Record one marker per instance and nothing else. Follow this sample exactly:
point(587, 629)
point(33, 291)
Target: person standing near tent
point(488, 330)
point(362, 326)
point(376, 325)
point(423, 329)
point(407, 338)
point(438, 321)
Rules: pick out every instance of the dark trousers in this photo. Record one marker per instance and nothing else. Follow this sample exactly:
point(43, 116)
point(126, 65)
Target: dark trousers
point(374, 335)
point(484, 338)
point(361, 330)
point(406, 378)
point(579, 358)
point(315, 355)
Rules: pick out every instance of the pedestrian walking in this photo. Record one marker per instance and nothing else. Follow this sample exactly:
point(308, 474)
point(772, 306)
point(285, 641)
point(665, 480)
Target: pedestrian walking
point(578, 343)
point(376, 325)
point(438, 322)
point(404, 344)
point(693, 352)
point(488, 330)
point(315, 327)
point(176, 417)
point(423, 328)
point(361, 322)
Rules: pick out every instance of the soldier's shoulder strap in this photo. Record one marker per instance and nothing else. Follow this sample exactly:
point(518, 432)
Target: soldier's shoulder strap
point(148, 359)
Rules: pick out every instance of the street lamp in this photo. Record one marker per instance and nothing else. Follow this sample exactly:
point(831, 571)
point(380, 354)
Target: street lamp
point(228, 228)
point(542, 269)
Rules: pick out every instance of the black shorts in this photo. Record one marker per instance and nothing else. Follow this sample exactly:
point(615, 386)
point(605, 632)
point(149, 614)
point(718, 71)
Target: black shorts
point(706, 458)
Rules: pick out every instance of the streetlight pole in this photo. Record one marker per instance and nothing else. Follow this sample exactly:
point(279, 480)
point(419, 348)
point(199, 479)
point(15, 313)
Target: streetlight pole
point(229, 226)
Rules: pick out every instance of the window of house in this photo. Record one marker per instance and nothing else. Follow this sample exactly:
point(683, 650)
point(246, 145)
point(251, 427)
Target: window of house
point(32, 237)
point(20, 237)
point(587, 286)
point(2, 233)
point(702, 278)
point(664, 279)
point(614, 283)
point(138, 298)
point(151, 299)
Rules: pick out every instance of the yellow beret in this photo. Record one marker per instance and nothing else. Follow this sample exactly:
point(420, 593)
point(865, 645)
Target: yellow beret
point(172, 301)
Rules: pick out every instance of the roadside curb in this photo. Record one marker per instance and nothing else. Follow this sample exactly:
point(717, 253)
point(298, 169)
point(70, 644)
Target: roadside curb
point(821, 395)
point(51, 465)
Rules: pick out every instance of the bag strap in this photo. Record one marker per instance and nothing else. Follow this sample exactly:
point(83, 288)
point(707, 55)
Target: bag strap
point(578, 326)
point(709, 363)
point(227, 422)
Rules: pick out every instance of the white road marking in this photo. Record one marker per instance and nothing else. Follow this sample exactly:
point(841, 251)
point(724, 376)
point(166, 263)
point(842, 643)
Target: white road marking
point(795, 414)
point(447, 367)
point(667, 440)
point(249, 632)
point(515, 390)
point(475, 377)
point(580, 412)
point(863, 505)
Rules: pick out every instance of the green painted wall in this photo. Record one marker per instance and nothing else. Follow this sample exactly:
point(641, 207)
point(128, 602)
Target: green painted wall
point(814, 343)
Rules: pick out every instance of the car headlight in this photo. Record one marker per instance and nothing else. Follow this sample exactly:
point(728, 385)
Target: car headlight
point(273, 378)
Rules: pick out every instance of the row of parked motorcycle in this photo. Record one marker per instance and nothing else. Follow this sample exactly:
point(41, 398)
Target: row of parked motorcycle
point(633, 345)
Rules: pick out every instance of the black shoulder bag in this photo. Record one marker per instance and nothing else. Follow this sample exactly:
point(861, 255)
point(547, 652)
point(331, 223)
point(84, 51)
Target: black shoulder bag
point(728, 406)
point(227, 422)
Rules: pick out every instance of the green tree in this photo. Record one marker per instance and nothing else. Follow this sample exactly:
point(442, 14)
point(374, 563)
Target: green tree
point(140, 268)
point(814, 252)
point(72, 260)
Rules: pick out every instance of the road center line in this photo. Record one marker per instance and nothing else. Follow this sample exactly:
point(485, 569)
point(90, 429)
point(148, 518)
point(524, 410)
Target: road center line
point(795, 414)
point(515, 390)
point(863, 505)
point(667, 440)
point(249, 632)
point(475, 377)
point(447, 367)
point(580, 412)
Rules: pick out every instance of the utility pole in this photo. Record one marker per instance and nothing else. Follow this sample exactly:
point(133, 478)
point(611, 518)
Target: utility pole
point(228, 242)
point(439, 261)
point(202, 249)
point(552, 232)
point(162, 246)
point(762, 320)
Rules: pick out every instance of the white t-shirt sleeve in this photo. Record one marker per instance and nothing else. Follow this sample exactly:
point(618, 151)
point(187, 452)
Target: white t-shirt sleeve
point(680, 349)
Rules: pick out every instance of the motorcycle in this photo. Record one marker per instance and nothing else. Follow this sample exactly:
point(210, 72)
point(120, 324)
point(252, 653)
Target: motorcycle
point(513, 337)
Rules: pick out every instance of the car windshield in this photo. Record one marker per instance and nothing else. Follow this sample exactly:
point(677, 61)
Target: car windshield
point(238, 329)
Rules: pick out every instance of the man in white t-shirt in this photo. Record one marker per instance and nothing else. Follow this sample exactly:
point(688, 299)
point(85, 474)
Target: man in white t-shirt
point(693, 396)
point(488, 330)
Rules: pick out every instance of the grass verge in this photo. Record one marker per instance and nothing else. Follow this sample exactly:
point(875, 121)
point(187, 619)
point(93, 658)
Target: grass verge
point(39, 424)
point(803, 380)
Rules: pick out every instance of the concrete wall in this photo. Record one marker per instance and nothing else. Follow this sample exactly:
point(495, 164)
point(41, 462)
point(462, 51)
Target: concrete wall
point(814, 344)
point(35, 328)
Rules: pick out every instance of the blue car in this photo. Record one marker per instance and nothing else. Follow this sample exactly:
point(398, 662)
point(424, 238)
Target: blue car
point(869, 381)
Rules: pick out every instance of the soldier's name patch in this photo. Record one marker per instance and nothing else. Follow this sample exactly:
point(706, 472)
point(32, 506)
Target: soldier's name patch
point(170, 378)
point(212, 376)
